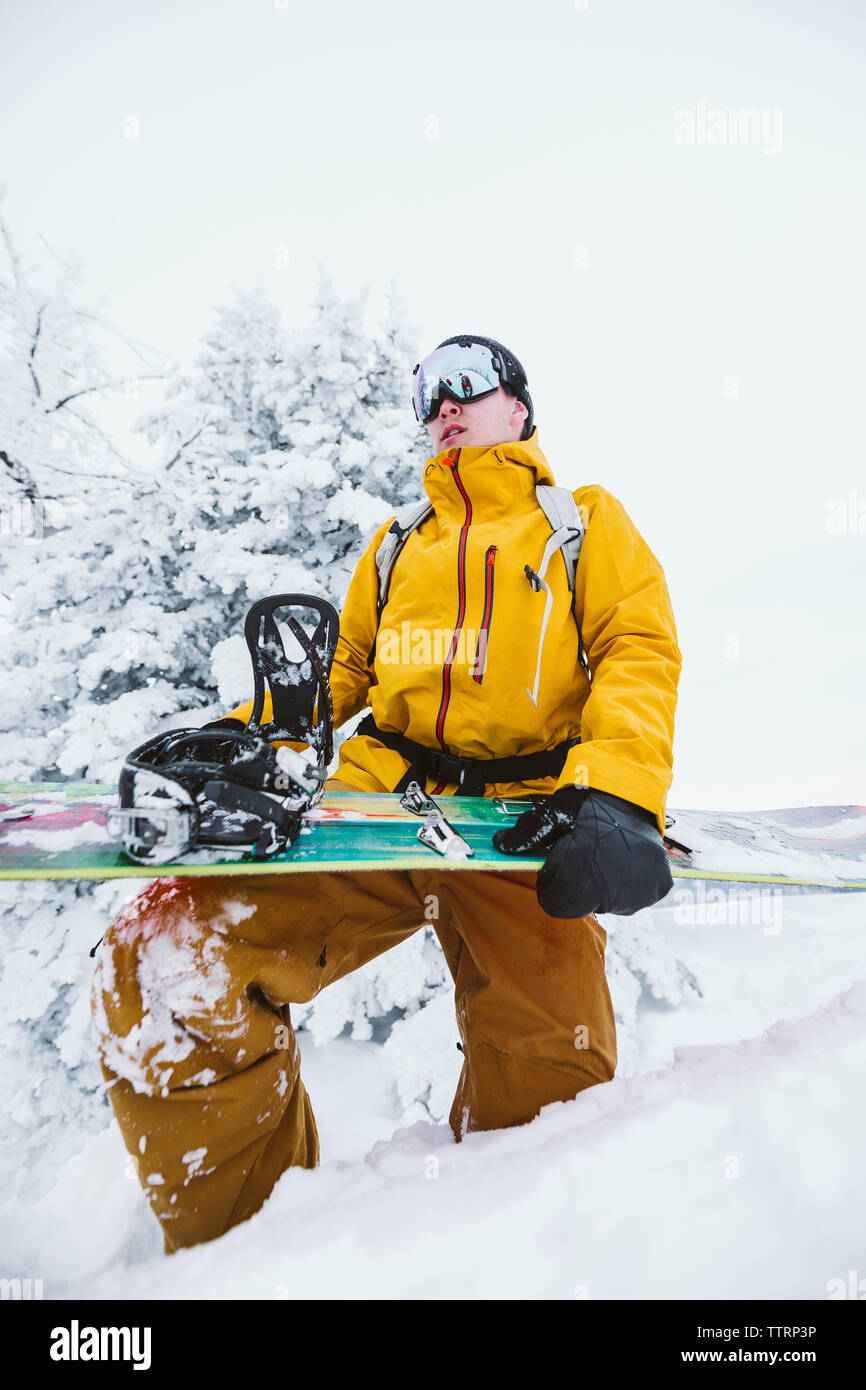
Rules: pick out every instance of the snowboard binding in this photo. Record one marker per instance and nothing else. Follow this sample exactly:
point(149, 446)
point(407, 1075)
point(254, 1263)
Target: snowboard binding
point(225, 786)
point(302, 710)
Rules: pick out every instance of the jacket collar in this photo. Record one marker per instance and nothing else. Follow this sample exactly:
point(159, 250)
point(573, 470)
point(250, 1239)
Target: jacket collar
point(495, 477)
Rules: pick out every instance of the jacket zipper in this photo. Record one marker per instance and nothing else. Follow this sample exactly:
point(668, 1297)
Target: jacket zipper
point(483, 635)
point(461, 607)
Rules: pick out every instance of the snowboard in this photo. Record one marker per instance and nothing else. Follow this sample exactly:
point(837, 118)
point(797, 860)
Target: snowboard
point(57, 830)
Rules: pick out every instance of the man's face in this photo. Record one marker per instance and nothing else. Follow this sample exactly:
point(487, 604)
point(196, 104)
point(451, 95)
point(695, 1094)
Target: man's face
point(497, 419)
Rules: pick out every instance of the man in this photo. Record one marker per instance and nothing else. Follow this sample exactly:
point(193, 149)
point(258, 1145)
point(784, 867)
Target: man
point(484, 674)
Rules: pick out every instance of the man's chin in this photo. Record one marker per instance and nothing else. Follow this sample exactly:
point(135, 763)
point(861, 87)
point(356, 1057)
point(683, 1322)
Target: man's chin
point(467, 441)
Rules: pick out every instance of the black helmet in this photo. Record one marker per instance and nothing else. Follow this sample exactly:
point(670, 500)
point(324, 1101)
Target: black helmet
point(513, 376)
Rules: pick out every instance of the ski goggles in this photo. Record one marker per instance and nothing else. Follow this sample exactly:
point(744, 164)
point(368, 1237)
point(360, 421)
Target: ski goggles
point(459, 373)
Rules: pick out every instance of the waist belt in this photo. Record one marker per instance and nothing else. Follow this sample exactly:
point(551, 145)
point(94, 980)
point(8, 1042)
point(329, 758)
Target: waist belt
point(470, 774)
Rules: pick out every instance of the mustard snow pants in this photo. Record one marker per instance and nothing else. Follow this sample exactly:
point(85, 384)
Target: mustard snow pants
point(191, 1001)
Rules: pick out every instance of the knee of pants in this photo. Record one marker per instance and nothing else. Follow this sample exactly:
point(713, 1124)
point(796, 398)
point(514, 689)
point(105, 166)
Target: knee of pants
point(170, 1003)
point(540, 1033)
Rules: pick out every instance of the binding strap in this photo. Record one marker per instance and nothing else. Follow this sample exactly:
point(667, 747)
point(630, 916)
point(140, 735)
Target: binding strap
point(279, 824)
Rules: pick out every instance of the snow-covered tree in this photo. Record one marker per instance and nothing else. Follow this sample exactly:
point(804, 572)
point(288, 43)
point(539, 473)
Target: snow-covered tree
point(278, 454)
point(291, 448)
point(52, 369)
point(68, 496)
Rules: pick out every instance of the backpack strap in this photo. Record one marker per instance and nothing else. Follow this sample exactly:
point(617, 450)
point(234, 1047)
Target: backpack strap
point(568, 528)
point(407, 520)
point(563, 513)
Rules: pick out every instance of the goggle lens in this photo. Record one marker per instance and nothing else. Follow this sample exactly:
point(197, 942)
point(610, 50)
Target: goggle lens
point(459, 373)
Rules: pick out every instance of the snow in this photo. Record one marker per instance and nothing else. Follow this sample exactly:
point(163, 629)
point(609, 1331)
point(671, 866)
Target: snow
point(57, 841)
point(724, 1160)
point(230, 663)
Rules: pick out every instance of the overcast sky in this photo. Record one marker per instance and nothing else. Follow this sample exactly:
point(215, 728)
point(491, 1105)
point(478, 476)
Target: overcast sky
point(685, 291)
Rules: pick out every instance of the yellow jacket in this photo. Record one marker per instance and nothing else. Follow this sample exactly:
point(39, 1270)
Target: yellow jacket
point(463, 661)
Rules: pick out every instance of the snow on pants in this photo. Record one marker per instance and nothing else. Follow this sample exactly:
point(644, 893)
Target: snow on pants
point(191, 1001)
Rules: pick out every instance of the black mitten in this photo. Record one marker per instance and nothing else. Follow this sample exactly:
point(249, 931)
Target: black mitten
point(603, 854)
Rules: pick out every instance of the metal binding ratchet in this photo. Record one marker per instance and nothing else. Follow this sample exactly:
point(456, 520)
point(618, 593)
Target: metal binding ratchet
point(436, 833)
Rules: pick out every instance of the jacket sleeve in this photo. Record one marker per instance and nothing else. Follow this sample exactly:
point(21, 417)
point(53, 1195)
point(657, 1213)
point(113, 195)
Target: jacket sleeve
point(350, 674)
point(624, 609)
